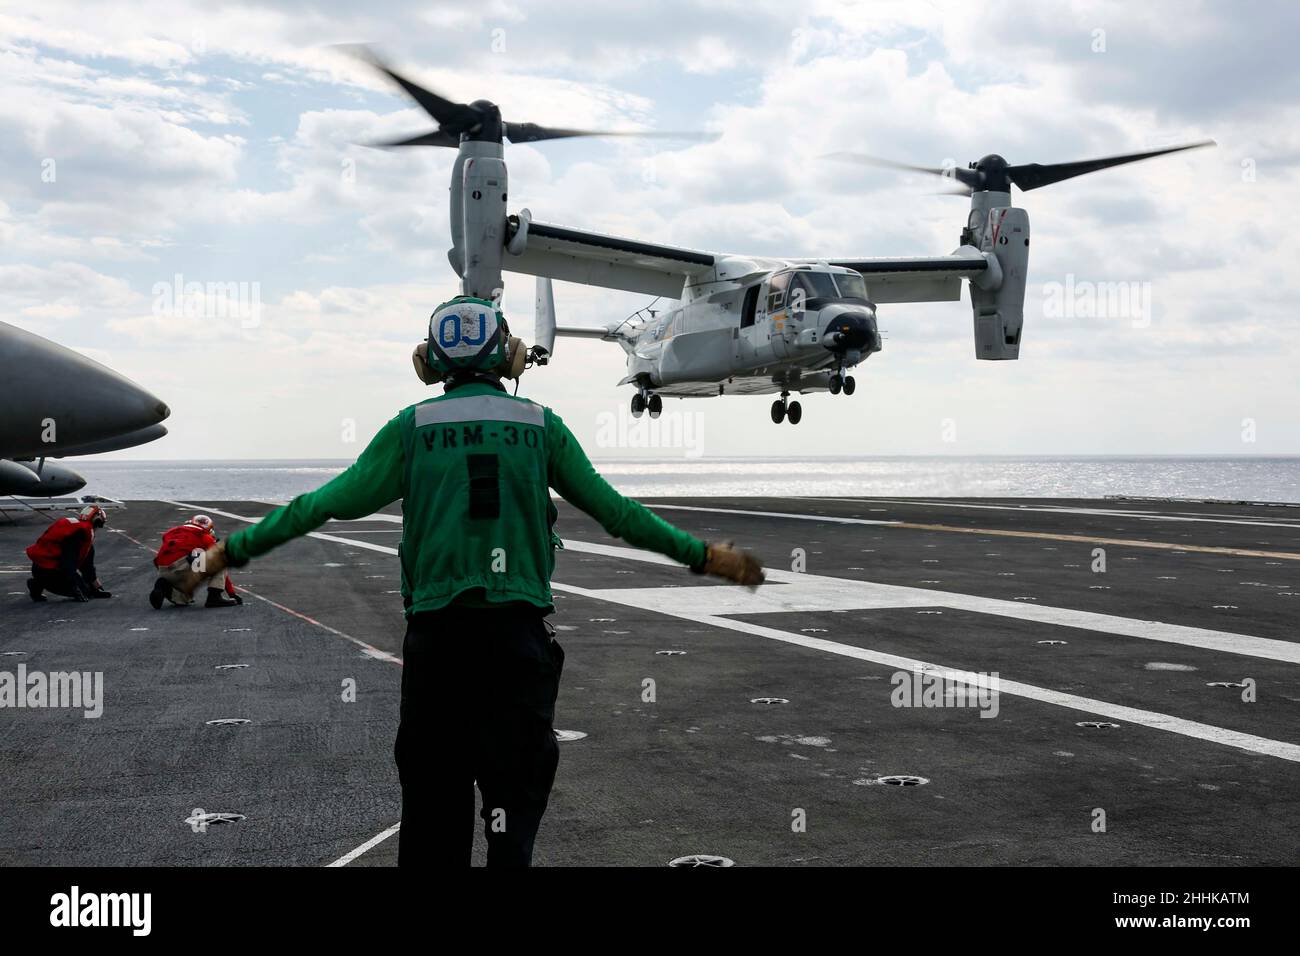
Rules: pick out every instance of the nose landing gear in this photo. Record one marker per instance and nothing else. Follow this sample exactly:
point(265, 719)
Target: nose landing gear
point(783, 409)
point(841, 382)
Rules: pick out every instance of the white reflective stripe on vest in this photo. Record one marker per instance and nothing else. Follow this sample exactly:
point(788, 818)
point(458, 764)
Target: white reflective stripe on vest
point(479, 408)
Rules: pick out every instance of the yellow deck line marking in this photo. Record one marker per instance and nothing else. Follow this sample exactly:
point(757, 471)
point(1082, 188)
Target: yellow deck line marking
point(1000, 532)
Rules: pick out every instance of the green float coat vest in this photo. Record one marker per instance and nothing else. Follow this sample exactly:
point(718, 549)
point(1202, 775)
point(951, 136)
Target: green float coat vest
point(477, 512)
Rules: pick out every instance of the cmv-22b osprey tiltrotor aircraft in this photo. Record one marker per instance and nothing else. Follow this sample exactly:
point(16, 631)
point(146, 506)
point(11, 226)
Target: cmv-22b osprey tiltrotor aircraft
point(739, 325)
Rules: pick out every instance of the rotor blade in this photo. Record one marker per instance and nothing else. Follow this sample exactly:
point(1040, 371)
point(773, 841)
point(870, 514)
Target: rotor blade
point(436, 138)
point(1033, 175)
point(967, 177)
point(535, 133)
point(454, 116)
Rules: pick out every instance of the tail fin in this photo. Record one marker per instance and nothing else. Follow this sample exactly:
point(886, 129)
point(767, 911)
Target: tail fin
point(545, 330)
point(544, 317)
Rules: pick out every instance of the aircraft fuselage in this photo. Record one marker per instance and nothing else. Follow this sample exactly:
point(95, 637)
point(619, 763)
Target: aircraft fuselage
point(778, 328)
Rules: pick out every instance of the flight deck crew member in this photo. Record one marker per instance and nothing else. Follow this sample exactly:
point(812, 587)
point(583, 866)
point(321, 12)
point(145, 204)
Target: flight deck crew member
point(481, 669)
point(175, 561)
point(63, 558)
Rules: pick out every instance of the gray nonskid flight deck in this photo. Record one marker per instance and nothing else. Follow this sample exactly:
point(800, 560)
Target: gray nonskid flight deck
point(1192, 594)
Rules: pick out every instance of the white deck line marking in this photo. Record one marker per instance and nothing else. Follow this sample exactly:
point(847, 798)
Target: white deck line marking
point(813, 592)
point(818, 592)
point(374, 531)
point(1068, 510)
point(368, 545)
point(366, 847)
point(1117, 712)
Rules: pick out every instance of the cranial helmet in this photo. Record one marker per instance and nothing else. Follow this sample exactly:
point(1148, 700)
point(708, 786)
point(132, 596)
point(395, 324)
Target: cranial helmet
point(94, 514)
point(468, 334)
point(202, 521)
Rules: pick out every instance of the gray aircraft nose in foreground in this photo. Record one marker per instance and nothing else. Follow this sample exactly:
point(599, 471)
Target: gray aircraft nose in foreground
point(54, 399)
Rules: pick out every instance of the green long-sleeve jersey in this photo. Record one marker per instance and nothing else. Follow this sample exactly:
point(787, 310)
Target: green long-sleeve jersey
point(472, 468)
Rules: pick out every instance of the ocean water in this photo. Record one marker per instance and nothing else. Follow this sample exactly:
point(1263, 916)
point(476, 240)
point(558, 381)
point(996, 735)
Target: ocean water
point(1236, 478)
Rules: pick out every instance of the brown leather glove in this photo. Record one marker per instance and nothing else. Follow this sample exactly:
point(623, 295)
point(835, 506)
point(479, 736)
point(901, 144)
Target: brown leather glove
point(215, 560)
point(725, 560)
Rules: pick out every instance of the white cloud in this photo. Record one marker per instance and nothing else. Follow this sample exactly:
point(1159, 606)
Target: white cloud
point(219, 141)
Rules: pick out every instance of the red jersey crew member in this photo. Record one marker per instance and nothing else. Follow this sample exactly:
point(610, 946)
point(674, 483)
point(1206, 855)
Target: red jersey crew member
point(481, 669)
point(176, 563)
point(63, 558)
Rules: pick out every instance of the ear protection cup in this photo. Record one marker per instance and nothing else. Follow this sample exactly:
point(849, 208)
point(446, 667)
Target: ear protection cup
point(423, 370)
point(516, 358)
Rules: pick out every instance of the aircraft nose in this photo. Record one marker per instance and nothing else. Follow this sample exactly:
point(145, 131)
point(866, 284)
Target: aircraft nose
point(850, 330)
point(118, 404)
point(56, 398)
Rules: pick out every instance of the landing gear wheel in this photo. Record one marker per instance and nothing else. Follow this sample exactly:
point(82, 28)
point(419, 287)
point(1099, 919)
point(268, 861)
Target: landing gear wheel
point(795, 412)
point(849, 385)
point(835, 384)
point(638, 405)
point(778, 411)
point(655, 405)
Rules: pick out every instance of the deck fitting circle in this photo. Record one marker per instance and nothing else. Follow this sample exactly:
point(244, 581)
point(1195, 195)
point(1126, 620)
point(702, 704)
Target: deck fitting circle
point(903, 780)
point(702, 859)
point(200, 818)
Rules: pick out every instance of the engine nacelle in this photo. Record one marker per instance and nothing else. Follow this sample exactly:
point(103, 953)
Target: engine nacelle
point(478, 217)
point(1000, 311)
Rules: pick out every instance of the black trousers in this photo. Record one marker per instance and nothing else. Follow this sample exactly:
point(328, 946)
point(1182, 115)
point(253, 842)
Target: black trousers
point(478, 702)
point(62, 580)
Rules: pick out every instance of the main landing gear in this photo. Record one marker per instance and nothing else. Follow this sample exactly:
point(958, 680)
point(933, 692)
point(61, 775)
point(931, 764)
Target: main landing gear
point(841, 382)
point(641, 402)
point(783, 409)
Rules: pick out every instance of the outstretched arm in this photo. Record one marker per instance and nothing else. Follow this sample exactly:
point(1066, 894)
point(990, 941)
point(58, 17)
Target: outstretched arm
point(373, 481)
point(572, 475)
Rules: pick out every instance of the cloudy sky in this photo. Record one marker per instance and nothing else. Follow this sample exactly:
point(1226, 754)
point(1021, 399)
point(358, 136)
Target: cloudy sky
point(213, 142)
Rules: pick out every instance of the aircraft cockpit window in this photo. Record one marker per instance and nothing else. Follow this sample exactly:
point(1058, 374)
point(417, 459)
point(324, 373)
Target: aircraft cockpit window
point(851, 285)
point(776, 291)
point(816, 285)
point(749, 306)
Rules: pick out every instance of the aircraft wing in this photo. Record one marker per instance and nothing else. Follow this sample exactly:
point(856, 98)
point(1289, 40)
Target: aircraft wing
point(915, 279)
point(558, 252)
point(573, 255)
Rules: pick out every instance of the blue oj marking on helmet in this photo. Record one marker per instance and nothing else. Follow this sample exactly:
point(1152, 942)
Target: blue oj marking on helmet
point(445, 342)
point(482, 331)
point(458, 335)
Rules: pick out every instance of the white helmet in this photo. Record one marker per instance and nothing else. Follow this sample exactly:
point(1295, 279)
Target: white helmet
point(202, 521)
